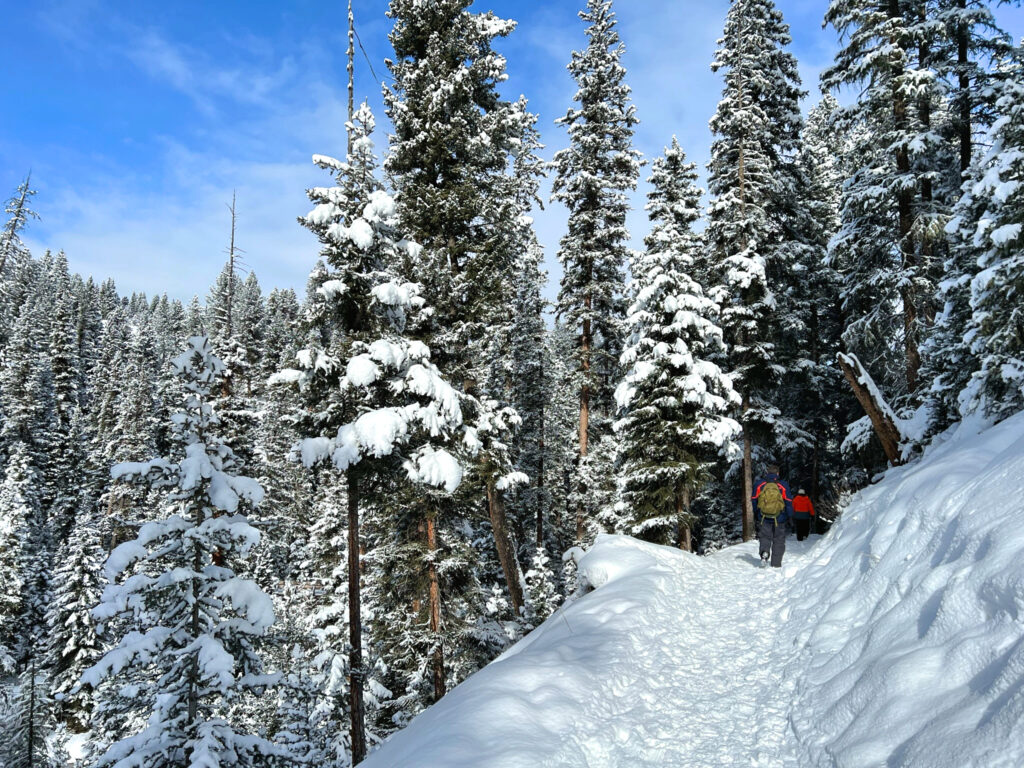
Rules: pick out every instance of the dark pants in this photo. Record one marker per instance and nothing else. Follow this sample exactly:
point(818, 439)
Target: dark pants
point(771, 536)
point(803, 528)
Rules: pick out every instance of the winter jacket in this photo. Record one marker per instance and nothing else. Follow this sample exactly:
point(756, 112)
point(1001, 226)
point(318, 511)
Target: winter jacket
point(759, 484)
point(803, 509)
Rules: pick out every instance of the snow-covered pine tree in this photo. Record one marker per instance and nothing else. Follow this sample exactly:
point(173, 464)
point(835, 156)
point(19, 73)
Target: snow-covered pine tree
point(25, 735)
point(281, 340)
point(531, 503)
point(561, 424)
point(250, 329)
point(18, 506)
point(325, 626)
point(234, 319)
point(73, 641)
point(19, 213)
point(542, 586)
point(63, 437)
point(89, 331)
point(188, 653)
point(129, 427)
point(979, 56)
point(964, 54)
point(454, 140)
point(674, 400)
point(994, 331)
point(756, 128)
point(13, 254)
point(195, 318)
point(593, 178)
point(889, 262)
point(815, 401)
point(22, 381)
point(376, 402)
point(453, 134)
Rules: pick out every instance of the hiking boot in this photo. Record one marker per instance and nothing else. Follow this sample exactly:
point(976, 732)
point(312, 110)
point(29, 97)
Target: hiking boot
point(764, 558)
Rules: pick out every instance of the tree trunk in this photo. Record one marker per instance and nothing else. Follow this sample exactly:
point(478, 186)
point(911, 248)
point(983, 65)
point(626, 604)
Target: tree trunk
point(351, 69)
point(964, 85)
point(748, 477)
point(878, 412)
point(355, 626)
point(503, 543)
point(586, 342)
point(905, 219)
point(685, 539)
point(31, 746)
point(434, 597)
point(540, 471)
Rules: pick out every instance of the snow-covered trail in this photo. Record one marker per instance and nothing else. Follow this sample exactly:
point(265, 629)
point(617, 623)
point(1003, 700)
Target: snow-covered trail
point(674, 664)
point(717, 696)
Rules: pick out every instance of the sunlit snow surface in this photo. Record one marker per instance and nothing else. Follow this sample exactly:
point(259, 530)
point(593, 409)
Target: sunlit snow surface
point(897, 640)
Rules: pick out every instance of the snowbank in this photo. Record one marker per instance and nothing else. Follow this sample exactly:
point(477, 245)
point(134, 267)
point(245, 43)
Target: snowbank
point(897, 640)
point(528, 707)
point(907, 628)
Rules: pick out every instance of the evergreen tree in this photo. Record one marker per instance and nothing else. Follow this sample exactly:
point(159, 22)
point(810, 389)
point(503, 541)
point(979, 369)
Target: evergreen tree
point(63, 439)
point(674, 399)
point(454, 141)
point(815, 401)
point(450, 148)
point(889, 263)
point(561, 422)
point(89, 332)
point(19, 214)
point(594, 175)
point(13, 255)
point(376, 402)
point(26, 742)
point(756, 127)
point(947, 360)
point(528, 376)
point(195, 318)
point(18, 506)
point(282, 339)
point(73, 640)
point(189, 652)
point(964, 52)
point(995, 331)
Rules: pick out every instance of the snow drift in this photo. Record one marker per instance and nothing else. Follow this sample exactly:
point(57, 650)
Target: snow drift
point(896, 640)
point(908, 624)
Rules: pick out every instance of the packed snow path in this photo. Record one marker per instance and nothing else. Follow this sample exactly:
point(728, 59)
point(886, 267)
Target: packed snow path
point(673, 666)
point(716, 698)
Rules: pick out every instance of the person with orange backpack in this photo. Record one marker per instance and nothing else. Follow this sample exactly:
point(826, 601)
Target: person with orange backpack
point(773, 508)
point(803, 514)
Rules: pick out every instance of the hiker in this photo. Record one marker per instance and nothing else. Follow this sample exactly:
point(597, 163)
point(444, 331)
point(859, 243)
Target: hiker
point(803, 513)
point(772, 510)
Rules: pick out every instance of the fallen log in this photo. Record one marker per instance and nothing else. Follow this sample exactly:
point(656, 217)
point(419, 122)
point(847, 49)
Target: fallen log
point(883, 420)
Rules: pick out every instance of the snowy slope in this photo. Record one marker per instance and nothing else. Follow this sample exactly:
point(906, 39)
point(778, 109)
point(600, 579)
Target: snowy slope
point(896, 640)
point(909, 618)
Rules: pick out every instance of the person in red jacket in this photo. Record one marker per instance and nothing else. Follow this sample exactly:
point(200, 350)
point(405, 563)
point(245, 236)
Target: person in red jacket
point(803, 513)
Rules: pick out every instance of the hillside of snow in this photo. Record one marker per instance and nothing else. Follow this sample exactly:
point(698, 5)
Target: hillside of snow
point(895, 640)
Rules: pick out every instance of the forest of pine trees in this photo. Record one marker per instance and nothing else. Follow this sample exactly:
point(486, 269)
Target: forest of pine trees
point(265, 529)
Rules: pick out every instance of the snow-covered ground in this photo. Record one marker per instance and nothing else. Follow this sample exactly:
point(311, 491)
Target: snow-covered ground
point(896, 640)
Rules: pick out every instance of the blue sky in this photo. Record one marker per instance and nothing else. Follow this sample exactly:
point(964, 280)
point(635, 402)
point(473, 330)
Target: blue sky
point(139, 119)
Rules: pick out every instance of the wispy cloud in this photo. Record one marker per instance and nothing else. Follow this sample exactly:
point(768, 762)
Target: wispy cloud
point(151, 211)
